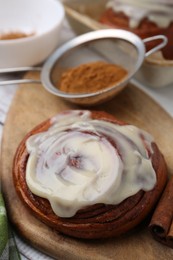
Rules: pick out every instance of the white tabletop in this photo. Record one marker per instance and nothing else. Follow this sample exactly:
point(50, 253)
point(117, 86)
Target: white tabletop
point(163, 96)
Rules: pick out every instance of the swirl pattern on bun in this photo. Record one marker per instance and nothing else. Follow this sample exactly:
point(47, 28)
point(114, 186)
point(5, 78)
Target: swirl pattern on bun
point(88, 175)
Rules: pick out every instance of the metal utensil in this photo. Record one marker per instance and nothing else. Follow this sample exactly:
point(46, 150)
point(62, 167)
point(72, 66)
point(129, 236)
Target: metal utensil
point(111, 45)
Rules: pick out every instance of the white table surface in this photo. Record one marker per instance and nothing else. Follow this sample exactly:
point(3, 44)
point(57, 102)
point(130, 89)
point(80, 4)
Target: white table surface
point(163, 96)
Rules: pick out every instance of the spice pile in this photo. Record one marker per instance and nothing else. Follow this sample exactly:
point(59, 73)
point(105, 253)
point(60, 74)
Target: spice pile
point(91, 77)
point(14, 35)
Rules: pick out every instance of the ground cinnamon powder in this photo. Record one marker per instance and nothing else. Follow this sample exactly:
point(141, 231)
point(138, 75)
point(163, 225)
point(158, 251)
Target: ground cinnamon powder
point(14, 35)
point(91, 77)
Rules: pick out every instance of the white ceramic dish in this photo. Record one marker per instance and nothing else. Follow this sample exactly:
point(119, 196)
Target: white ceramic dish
point(42, 18)
point(83, 16)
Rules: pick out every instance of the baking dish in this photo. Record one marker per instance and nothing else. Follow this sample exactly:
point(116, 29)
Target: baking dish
point(83, 16)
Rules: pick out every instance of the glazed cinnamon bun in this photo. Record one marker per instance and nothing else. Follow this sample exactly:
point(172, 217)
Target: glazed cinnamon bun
point(144, 18)
point(88, 175)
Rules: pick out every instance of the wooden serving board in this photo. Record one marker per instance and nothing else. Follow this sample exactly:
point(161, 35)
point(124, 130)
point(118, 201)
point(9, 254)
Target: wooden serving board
point(31, 105)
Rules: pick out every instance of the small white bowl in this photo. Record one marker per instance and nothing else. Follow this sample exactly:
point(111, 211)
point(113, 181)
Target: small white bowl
point(40, 18)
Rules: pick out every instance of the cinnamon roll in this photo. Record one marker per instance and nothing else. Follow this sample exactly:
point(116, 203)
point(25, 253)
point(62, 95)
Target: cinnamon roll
point(88, 175)
point(144, 18)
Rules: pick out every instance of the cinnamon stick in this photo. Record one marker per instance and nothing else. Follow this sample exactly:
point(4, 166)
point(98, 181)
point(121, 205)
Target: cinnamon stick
point(161, 225)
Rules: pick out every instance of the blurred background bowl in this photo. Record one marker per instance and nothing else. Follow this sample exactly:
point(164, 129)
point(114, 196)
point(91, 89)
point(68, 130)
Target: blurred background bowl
point(40, 20)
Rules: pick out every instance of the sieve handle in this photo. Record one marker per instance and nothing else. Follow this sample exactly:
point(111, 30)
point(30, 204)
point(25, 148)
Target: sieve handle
point(18, 81)
point(158, 47)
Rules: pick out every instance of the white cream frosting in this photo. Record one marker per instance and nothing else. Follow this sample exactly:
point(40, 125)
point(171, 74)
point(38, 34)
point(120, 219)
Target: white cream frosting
point(79, 162)
point(157, 11)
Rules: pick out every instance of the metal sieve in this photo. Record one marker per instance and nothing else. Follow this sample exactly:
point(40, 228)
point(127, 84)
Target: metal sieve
point(110, 45)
